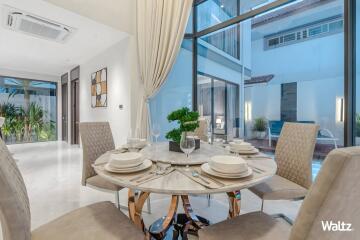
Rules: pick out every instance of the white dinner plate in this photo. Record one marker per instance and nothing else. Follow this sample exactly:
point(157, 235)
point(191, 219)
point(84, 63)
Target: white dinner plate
point(145, 165)
point(245, 152)
point(207, 169)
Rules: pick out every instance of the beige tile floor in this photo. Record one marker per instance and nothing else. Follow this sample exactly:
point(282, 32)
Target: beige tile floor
point(52, 173)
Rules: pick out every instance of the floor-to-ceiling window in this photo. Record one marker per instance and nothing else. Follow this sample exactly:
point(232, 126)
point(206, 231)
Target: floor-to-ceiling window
point(176, 91)
point(297, 66)
point(29, 109)
point(357, 67)
point(286, 60)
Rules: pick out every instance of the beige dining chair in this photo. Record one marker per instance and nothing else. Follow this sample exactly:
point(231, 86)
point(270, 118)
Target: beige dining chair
point(201, 131)
point(293, 155)
point(97, 139)
point(96, 221)
point(333, 197)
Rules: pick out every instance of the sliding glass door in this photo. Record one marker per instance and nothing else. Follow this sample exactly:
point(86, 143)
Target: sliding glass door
point(28, 109)
point(218, 104)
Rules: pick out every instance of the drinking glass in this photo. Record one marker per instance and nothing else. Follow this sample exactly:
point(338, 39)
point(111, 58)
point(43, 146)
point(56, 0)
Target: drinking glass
point(155, 131)
point(132, 141)
point(187, 145)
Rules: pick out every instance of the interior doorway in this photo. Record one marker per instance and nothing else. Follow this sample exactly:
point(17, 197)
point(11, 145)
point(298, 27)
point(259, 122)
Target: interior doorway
point(64, 107)
point(75, 105)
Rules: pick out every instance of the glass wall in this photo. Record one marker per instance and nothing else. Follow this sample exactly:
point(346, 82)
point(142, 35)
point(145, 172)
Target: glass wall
point(357, 117)
point(218, 103)
point(176, 92)
point(285, 64)
point(297, 69)
point(29, 109)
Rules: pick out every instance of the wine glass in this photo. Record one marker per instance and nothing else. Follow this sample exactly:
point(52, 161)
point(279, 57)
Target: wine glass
point(187, 145)
point(155, 131)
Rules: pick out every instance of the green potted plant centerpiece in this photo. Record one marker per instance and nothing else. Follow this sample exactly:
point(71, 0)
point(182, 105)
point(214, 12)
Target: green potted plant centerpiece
point(259, 127)
point(188, 121)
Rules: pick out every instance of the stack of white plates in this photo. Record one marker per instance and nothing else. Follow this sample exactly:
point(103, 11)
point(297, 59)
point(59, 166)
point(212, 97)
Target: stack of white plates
point(242, 148)
point(227, 167)
point(127, 162)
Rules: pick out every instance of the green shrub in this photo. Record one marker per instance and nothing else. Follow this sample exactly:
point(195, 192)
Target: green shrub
point(188, 121)
point(260, 124)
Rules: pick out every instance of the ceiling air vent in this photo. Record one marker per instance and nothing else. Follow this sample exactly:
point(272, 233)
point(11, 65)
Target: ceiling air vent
point(31, 24)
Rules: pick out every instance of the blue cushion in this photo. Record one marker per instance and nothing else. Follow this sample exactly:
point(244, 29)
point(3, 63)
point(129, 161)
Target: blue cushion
point(275, 127)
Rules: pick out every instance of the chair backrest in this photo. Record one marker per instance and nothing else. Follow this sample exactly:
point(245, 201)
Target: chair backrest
point(294, 152)
point(14, 201)
point(275, 127)
point(201, 131)
point(96, 139)
point(334, 196)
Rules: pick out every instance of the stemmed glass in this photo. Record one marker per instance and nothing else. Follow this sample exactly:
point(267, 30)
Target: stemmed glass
point(155, 131)
point(187, 145)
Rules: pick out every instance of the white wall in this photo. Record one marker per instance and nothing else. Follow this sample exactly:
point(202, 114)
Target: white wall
point(39, 76)
point(118, 63)
point(317, 67)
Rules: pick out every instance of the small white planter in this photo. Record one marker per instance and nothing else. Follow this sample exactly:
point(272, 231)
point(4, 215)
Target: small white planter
point(259, 135)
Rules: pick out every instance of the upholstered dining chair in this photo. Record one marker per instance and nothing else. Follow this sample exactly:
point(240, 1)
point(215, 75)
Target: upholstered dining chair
point(97, 139)
point(333, 197)
point(293, 155)
point(201, 131)
point(96, 221)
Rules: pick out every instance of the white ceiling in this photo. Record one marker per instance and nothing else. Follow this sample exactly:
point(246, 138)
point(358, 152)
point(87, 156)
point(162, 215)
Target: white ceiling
point(26, 53)
point(119, 14)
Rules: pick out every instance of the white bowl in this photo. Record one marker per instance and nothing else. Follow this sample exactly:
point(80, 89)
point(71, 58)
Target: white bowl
point(141, 143)
point(237, 140)
point(241, 146)
point(228, 164)
point(127, 159)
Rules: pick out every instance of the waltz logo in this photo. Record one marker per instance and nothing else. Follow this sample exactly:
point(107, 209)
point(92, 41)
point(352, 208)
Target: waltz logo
point(338, 226)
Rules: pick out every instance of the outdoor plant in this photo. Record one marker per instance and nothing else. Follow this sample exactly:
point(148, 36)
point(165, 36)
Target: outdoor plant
point(19, 126)
point(357, 125)
point(260, 124)
point(48, 132)
point(34, 120)
point(187, 120)
point(24, 125)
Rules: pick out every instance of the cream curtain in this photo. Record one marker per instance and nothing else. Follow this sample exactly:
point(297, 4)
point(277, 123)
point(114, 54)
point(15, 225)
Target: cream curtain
point(160, 30)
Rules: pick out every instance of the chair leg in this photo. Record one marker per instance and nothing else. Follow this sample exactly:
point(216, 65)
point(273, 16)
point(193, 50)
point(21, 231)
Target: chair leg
point(209, 200)
point(117, 199)
point(262, 205)
point(283, 216)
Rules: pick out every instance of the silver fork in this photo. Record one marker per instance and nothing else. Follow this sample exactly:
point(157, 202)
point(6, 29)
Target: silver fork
point(211, 179)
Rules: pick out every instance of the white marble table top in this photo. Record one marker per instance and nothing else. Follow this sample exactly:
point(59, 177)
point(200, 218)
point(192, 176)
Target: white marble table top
point(160, 152)
point(176, 183)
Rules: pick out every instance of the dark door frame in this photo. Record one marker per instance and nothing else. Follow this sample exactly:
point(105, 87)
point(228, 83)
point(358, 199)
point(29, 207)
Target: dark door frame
point(64, 107)
point(75, 106)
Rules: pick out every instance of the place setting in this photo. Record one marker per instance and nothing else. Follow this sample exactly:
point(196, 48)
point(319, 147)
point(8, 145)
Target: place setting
point(132, 167)
point(221, 170)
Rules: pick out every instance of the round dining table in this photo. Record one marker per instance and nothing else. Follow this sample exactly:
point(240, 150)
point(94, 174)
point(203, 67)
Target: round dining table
point(173, 174)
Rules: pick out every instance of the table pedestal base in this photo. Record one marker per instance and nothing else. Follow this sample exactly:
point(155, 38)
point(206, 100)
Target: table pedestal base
point(172, 225)
point(180, 228)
